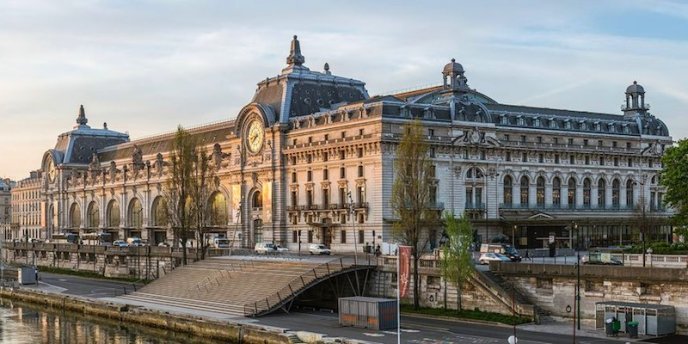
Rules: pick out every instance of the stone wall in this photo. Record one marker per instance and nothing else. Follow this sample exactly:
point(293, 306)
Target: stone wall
point(552, 287)
point(134, 262)
point(436, 292)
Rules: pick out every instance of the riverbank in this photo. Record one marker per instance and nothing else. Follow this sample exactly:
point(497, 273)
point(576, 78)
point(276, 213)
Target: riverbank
point(202, 328)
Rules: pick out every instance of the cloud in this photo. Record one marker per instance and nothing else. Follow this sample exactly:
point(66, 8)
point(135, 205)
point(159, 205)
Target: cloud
point(144, 67)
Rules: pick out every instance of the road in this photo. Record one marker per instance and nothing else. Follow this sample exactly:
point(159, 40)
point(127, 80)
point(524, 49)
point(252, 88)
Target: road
point(421, 330)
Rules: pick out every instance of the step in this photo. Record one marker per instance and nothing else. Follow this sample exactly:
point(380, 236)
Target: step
point(229, 309)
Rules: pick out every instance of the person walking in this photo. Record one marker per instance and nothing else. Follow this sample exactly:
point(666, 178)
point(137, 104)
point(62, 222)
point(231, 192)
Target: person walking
point(527, 257)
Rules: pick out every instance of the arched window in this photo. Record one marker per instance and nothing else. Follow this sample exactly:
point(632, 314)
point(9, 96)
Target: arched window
point(601, 193)
point(135, 218)
point(572, 193)
point(113, 214)
point(540, 194)
point(474, 173)
point(524, 190)
point(508, 189)
point(629, 193)
point(586, 192)
point(556, 191)
point(159, 215)
point(75, 215)
point(616, 193)
point(257, 200)
point(93, 215)
point(217, 210)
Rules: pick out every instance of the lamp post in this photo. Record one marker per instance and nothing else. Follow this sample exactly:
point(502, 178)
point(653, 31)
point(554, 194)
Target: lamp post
point(353, 226)
point(513, 236)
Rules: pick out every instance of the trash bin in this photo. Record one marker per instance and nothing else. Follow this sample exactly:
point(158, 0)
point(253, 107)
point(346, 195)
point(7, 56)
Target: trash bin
point(632, 329)
point(616, 326)
point(608, 327)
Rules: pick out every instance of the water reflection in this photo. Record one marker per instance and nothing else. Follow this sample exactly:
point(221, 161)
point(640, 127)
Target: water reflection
point(23, 323)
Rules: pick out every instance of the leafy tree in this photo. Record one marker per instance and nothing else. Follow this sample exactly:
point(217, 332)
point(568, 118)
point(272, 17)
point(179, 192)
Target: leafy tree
point(412, 196)
point(674, 176)
point(457, 265)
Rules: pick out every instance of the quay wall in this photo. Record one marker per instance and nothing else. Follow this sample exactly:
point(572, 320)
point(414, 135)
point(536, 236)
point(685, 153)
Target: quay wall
point(223, 331)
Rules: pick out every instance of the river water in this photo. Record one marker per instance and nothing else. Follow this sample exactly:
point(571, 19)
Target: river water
point(22, 323)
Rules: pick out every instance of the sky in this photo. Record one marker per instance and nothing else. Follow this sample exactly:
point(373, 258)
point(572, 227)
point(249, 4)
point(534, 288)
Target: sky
point(146, 66)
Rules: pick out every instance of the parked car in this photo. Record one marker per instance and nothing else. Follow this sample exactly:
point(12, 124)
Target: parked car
point(265, 247)
point(600, 258)
point(281, 249)
point(119, 243)
point(488, 257)
point(318, 249)
point(504, 249)
point(163, 244)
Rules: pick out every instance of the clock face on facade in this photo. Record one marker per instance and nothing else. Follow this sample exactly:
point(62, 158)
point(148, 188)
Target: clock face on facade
point(51, 170)
point(255, 136)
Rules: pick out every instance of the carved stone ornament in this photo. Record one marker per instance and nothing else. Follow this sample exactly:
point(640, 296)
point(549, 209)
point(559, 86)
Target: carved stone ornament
point(113, 171)
point(159, 163)
point(137, 158)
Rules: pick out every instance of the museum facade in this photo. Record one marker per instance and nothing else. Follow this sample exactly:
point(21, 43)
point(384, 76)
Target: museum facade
point(311, 159)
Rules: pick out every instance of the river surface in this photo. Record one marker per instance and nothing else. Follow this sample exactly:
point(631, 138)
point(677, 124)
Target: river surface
point(23, 323)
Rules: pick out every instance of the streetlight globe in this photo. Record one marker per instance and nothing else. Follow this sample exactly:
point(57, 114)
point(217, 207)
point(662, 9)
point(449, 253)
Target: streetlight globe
point(512, 340)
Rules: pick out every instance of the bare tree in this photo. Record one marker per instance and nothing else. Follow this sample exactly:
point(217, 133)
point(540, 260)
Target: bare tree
point(412, 194)
point(202, 184)
point(179, 189)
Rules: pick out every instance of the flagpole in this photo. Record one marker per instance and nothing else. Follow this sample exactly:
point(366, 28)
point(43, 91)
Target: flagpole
point(398, 295)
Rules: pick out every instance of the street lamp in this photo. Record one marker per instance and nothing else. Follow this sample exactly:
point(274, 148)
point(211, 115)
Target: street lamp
point(353, 226)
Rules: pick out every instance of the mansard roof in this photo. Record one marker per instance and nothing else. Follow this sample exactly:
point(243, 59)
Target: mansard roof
point(78, 145)
point(298, 91)
point(205, 135)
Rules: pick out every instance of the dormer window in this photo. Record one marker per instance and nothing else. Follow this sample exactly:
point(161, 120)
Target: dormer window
point(536, 121)
point(567, 124)
point(552, 123)
point(503, 119)
point(520, 121)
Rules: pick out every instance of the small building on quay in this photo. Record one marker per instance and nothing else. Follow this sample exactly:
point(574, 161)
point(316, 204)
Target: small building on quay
point(310, 159)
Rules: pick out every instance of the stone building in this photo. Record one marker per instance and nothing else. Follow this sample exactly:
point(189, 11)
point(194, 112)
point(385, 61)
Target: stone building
point(310, 159)
point(27, 208)
point(6, 186)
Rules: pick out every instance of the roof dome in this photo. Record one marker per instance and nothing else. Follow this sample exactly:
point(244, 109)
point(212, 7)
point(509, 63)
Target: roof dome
point(635, 88)
point(453, 67)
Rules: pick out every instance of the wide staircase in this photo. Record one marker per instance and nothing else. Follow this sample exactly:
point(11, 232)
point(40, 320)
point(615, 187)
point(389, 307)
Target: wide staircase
point(236, 286)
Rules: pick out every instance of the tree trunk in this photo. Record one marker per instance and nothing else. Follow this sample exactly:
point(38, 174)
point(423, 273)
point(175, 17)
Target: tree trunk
point(416, 287)
point(184, 251)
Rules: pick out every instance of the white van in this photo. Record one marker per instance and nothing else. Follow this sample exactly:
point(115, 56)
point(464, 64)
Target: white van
point(134, 241)
point(219, 243)
point(265, 247)
point(318, 249)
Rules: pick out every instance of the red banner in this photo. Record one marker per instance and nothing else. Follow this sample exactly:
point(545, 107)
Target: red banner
point(404, 269)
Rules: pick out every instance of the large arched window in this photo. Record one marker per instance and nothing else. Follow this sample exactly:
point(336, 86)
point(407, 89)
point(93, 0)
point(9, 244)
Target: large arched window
point(601, 193)
point(586, 192)
point(508, 190)
point(257, 200)
point(159, 214)
point(540, 191)
point(75, 215)
point(93, 215)
point(135, 215)
point(217, 210)
point(629, 193)
point(572, 193)
point(556, 191)
point(524, 190)
point(616, 193)
point(113, 214)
